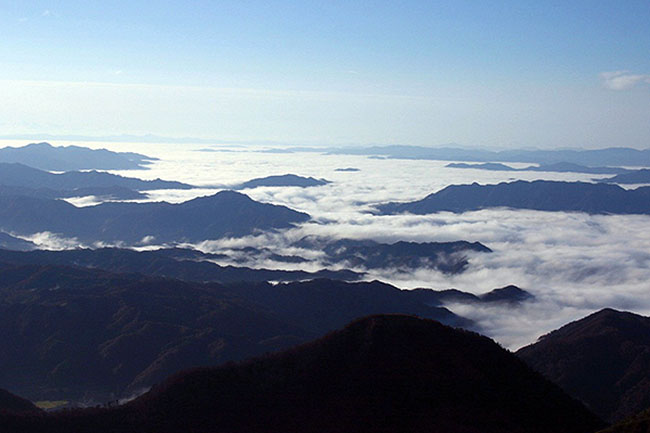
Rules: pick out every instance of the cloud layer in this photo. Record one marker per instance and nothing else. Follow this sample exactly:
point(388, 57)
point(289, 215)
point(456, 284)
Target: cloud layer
point(573, 263)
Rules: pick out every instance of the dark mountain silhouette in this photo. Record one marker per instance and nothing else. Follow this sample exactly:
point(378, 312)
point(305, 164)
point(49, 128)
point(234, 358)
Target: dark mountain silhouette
point(44, 156)
point(632, 177)
point(14, 404)
point(9, 242)
point(639, 423)
point(506, 295)
point(378, 374)
point(538, 195)
point(283, 180)
point(21, 175)
point(558, 167)
point(188, 265)
point(602, 359)
point(448, 257)
point(72, 333)
point(226, 213)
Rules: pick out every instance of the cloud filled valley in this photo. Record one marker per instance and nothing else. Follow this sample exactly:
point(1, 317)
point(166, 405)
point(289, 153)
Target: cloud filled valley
point(573, 263)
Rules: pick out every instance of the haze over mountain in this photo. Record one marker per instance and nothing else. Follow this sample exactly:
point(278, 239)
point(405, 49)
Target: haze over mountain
point(603, 360)
point(559, 167)
point(538, 195)
point(378, 374)
point(226, 213)
point(44, 156)
point(616, 156)
point(72, 333)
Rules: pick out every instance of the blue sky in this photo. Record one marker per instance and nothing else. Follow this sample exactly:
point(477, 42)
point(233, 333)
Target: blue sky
point(498, 74)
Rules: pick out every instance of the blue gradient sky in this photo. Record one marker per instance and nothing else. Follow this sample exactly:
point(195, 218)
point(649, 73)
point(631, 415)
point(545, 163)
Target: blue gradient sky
point(501, 74)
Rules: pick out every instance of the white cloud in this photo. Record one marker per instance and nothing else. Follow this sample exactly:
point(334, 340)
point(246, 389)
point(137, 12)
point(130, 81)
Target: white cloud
point(623, 80)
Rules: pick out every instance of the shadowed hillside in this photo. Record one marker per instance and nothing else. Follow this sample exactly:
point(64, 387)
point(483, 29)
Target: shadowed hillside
point(379, 374)
point(602, 359)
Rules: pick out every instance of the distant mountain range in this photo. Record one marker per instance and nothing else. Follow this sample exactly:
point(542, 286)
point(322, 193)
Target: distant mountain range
point(20, 175)
point(603, 360)
point(44, 156)
point(107, 193)
point(611, 156)
point(189, 265)
point(283, 180)
point(632, 177)
point(226, 213)
point(77, 333)
point(447, 257)
point(559, 167)
point(379, 374)
point(538, 195)
point(511, 295)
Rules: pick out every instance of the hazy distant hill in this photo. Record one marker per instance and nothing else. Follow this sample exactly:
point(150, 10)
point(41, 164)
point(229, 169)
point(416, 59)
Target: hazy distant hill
point(633, 177)
point(378, 374)
point(226, 213)
point(283, 180)
point(21, 175)
point(537, 195)
point(602, 359)
point(70, 332)
point(44, 156)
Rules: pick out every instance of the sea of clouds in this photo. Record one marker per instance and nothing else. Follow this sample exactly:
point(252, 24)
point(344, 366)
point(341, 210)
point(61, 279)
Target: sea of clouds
point(573, 263)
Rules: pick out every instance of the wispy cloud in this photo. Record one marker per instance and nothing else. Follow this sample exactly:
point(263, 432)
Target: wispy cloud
point(623, 80)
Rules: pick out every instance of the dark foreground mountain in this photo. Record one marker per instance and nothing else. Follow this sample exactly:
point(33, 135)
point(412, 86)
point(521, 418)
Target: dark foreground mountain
point(538, 195)
point(71, 333)
point(44, 156)
point(558, 167)
point(14, 404)
point(447, 257)
point(639, 423)
point(602, 360)
point(634, 177)
point(226, 213)
point(379, 374)
point(21, 175)
point(182, 264)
